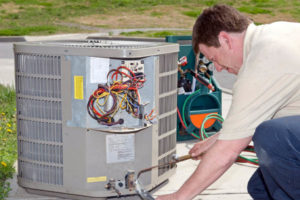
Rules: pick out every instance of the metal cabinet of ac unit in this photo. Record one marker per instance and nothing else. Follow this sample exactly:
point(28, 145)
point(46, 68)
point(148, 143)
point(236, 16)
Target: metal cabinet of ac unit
point(61, 149)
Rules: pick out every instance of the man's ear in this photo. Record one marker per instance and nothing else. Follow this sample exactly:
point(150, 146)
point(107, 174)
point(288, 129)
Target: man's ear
point(225, 40)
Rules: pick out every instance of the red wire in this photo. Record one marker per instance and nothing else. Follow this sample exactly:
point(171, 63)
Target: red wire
point(180, 118)
point(123, 67)
point(135, 83)
point(119, 87)
point(241, 160)
point(92, 107)
point(138, 95)
point(250, 147)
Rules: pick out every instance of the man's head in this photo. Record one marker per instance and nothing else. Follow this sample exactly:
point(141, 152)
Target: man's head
point(218, 33)
point(215, 19)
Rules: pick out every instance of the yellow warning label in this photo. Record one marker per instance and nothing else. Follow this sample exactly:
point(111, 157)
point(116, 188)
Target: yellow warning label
point(78, 87)
point(96, 179)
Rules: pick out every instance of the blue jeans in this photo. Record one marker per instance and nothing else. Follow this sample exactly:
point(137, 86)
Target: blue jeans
point(277, 144)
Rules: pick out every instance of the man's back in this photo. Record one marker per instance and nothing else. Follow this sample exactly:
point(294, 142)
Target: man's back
point(268, 83)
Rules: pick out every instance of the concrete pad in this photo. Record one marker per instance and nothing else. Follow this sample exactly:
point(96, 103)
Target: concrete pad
point(6, 50)
point(7, 72)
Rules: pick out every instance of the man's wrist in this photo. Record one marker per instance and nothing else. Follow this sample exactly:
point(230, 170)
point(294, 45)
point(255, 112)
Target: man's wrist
point(180, 195)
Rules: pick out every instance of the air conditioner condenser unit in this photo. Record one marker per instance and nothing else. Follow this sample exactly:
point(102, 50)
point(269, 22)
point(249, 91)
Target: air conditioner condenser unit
point(91, 114)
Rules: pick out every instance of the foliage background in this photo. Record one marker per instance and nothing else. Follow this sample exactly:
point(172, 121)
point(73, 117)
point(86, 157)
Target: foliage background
point(8, 137)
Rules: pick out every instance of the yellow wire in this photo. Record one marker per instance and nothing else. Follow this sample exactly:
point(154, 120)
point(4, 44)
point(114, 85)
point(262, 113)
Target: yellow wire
point(101, 96)
point(128, 104)
point(99, 108)
point(124, 98)
point(123, 101)
point(98, 104)
point(104, 94)
point(116, 93)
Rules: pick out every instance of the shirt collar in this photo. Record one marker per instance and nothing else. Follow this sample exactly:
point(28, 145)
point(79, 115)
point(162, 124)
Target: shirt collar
point(248, 39)
point(247, 45)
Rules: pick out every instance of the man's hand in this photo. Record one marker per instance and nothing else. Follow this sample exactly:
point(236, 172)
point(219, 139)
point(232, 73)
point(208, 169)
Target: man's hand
point(211, 166)
point(172, 196)
point(201, 147)
point(196, 152)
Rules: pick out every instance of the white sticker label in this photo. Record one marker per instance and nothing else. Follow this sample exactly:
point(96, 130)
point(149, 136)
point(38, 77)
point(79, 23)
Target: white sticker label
point(119, 148)
point(99, 68)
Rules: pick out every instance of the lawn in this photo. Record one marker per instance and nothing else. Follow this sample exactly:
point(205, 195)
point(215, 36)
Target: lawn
point(40, 17)
point(8, 137)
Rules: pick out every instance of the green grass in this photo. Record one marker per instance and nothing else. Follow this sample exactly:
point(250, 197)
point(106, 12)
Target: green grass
point(157, 34)
point(254, 10)
point(28, 30)
point(192, 13)
point(8, 137)
point(36, 17)
point(37, 30)
point(210, 2)
point(156, 14)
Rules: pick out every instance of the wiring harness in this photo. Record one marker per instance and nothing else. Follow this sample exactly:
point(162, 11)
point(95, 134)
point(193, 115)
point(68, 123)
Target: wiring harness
point(122, 89)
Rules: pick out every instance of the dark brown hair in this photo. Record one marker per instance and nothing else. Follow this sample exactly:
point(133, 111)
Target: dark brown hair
point(215, 19)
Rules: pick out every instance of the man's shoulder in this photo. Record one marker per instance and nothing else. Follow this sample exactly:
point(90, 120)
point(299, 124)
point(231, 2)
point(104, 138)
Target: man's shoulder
point(277, 32)
point(276, 38)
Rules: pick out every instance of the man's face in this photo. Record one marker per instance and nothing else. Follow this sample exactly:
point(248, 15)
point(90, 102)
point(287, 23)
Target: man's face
point(222, 58)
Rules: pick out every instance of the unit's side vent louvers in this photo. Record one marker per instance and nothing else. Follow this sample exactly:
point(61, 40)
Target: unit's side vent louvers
point(167, 124)
point(38, 90)
point(168, 103)
point(32, 64)
point(168, 62)
point(42, 131)
point(164, 160)
point(167, 143)
point(167, 108)
point(48, 110)
point(36, 151)
point(40, 87)
point(41, 173)
point(167, 83)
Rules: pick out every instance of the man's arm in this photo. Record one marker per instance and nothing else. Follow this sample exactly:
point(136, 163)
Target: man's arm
point(215, 162)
